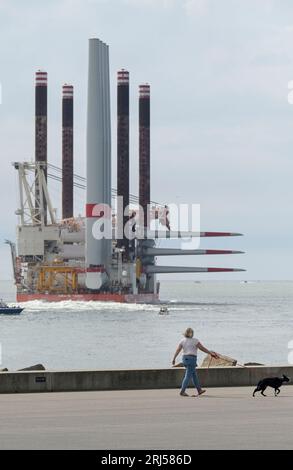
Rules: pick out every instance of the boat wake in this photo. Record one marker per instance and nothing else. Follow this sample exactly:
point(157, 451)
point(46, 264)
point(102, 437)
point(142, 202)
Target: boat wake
point(79, 306)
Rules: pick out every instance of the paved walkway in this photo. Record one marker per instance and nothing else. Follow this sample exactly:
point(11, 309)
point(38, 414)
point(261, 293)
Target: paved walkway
point(224, 418)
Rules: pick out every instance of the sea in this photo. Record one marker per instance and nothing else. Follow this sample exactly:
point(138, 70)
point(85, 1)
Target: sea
point(250, 321)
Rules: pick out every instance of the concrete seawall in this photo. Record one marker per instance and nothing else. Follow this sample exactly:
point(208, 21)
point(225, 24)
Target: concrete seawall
point(89, 380)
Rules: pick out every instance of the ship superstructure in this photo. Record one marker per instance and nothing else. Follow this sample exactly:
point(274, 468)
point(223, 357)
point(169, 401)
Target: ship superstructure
point(110, 253)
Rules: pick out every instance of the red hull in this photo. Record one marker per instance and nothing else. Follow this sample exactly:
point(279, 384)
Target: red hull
point(122, 298)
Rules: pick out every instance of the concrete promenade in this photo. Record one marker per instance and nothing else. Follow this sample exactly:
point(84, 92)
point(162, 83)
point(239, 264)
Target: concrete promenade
point(223, 418)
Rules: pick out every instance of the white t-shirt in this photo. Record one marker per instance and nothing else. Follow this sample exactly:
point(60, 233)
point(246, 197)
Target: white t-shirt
point(189, 346)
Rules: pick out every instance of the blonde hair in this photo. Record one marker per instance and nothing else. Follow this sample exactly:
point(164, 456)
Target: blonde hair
point(188, 333)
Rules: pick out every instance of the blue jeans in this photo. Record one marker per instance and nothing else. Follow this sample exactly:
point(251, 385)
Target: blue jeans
point(190, 363)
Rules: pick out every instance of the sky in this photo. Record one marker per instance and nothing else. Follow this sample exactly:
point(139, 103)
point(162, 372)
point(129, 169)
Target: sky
point(221, 123)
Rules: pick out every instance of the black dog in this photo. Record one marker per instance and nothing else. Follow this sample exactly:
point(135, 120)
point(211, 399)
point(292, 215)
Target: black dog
point(274, 382)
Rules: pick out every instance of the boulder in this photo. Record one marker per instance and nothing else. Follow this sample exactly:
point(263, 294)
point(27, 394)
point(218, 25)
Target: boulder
point(35, 367)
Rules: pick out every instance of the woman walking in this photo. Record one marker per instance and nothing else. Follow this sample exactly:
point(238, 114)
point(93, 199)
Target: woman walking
point(190, 345)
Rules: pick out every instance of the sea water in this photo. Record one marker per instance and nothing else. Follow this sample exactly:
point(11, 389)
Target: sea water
point(249, 321)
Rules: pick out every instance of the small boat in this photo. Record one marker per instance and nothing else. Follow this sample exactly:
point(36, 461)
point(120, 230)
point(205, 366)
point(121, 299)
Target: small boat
point(163, 311)
point(6, 310)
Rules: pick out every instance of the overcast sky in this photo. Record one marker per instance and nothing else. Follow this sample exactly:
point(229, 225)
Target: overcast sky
point(222, 127)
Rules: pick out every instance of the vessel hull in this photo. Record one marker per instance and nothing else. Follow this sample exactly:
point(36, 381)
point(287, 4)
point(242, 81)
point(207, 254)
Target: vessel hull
point(10, 311)
point(122, 298)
